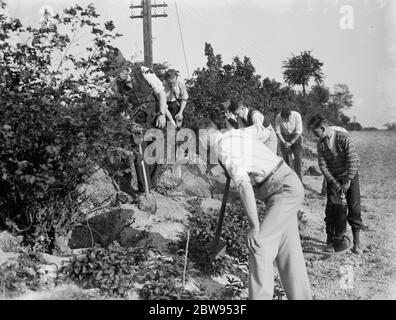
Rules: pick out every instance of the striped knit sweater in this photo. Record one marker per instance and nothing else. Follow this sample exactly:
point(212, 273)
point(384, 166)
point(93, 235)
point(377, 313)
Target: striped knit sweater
point(344, 163)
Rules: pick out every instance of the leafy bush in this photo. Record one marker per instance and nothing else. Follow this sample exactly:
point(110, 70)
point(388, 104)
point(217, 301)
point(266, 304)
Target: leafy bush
point(211, 84)
point(112, 269)
point(57, 118)
point(116, 271)
point(202, 226)
point(19, 275)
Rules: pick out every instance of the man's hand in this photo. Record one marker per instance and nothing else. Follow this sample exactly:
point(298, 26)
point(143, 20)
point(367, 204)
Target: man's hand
point(287, 145)
point(229, 115)
point(345, 185)
point(161, 121)
point(336, 186)
point(252, 239)
point(179, 116)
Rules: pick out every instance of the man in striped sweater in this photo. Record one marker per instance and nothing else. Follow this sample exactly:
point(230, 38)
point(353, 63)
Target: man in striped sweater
point(339, 163)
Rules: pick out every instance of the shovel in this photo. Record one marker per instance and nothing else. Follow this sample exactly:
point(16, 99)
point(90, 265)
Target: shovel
point(149, 203)
point(217, 248)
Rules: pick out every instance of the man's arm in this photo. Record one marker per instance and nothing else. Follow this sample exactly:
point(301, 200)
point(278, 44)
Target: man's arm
point(298, 130)
point(183, 96)
point(278, 129)
point(249, 202)
point(353, 162)
point(238, 172)
point(257, 118)
point(159, 90)
point(262, 133)
point(324, 169)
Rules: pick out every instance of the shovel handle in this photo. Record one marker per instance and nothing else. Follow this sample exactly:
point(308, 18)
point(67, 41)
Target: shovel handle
point(222, 210)
point(146, 190)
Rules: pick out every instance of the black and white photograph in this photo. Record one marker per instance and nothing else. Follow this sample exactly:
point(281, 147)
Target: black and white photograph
point(220, 151)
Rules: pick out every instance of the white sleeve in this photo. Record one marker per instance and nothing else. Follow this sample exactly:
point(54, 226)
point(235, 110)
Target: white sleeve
point(257, 118)
point(155, 83)
point(277, 124)
point(183, 90)
point(299, 126)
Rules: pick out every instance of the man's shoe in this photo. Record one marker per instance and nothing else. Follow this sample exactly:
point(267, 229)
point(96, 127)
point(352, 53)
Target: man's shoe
point(357, 249)
point(340, 245)
point(364, 227)
point(329, 247)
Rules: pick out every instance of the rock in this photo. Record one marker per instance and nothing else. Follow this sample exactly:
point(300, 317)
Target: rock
point(154, 240)
point(195, 182)
point(97, 190)
point(7, 256)
point(61, 245)
point(8, 242)
point(313, 171)
point(132, 227)
point(102, 229)
point(129, 237)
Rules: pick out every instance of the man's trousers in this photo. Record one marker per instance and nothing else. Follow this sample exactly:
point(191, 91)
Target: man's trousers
point(335, 219)
point(297, 151)
point(152, 171)
point(279, 240)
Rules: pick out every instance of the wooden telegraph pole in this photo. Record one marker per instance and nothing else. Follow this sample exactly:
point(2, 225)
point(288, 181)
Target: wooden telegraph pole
point(146, 15)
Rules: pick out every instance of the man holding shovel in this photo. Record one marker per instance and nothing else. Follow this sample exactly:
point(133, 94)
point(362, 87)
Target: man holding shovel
point(339, 162)
point(145, 95)
point(258, 172)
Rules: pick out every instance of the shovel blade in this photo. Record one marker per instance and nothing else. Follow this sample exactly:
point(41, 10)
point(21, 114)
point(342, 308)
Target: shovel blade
point(148, 204)
point(216, 249)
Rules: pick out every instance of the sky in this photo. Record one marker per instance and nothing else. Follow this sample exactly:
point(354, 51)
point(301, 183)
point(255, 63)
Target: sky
point(355, 39)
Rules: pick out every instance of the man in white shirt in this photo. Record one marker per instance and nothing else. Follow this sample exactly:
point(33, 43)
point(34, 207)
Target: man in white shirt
point(247, 117)
point(176, 95)
point(258, 172)
point(289, 128)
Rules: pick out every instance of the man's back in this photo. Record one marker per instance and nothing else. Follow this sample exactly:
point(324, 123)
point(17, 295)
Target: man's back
point(243, 153)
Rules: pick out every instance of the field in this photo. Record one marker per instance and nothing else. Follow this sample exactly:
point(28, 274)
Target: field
point(371, 275)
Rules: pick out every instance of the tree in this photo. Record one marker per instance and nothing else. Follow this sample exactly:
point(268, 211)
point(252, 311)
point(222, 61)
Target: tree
point(275, 95)
point(341, 96)
point(340, 99)
point(298, 70)
point(216, 81)
point(391, 126)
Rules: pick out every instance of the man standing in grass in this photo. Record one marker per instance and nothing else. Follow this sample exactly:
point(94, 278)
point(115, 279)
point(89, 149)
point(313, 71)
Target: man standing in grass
point(339, 162)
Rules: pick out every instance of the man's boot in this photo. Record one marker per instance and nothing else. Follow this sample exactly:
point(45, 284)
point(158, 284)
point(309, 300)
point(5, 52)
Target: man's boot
point(329, 243)
point(340, 244)
point(356, 242)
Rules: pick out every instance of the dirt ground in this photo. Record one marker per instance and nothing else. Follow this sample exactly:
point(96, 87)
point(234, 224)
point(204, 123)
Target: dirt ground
point(372, 274)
